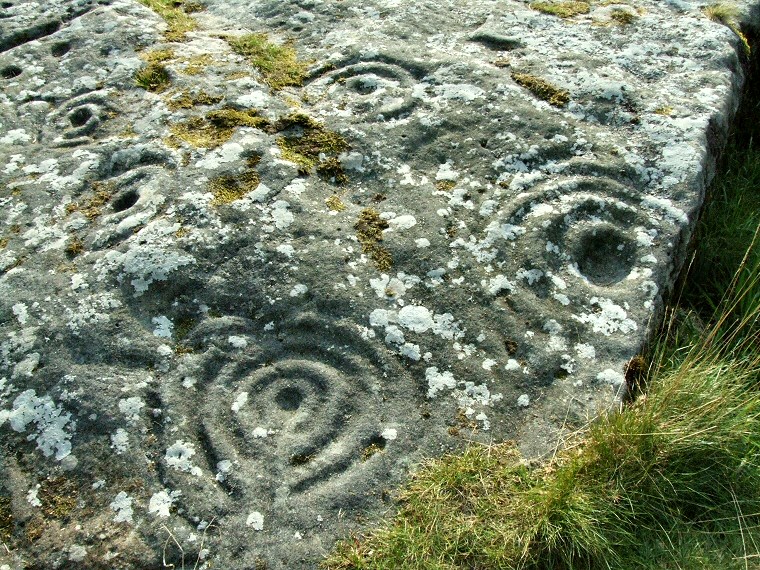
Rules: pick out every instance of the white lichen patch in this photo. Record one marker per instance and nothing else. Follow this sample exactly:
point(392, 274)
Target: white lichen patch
point(164, 327)
point(52, 427)
point(178, 456)
point(438, 381)
point(237, 341)
point(255, 520)
point(389, 434)
point(92, 310)
point(610, 318)
point(239, 402)
point(160, 503)
point(120, 441)
point(122, 504)
point(146, 260)
point(131, 407)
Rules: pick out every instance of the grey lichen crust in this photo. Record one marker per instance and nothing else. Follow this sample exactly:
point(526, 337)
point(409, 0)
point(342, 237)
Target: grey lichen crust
point(239, 303)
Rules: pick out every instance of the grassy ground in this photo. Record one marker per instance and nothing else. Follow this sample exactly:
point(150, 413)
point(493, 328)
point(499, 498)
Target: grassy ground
point(671, 482)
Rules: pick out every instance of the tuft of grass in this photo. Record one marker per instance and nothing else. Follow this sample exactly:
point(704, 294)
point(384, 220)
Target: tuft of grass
point(566, 9)
point(542, 89)
point(176, 15)
point(728, 14)
point(724, 234)
point(278, 64)
point(672, 477)
point(154, 77)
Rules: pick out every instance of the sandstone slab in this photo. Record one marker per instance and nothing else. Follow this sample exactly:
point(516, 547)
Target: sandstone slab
point(235, 311)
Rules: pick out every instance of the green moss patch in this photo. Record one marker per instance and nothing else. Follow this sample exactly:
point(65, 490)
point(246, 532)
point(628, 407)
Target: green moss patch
point(562, 9)
point(308, 141)
point(227, 189)
point(278, 64)
point(187, 100)
point(622, 16)
point(154, 77)
point(215, 129)
point(542, 89)
point(58, 497)
point(7, 522)
point(176, 15)
point(369, 231)
point(92, 207)
point(335, 204)
point(157, 55)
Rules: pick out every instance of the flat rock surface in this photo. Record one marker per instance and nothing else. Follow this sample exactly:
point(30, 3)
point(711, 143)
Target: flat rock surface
point(233, 317)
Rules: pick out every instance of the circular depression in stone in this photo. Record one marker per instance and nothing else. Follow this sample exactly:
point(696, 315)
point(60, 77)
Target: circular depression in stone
point(604, 255)
point(80, 116)
point(10, 71)
point(60, 49)
point(126, 200)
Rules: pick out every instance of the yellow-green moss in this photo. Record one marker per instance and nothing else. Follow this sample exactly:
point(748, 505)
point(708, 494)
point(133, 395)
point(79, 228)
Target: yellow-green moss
point(93, 206)
point(236, 75)
point(566, 9)
point(7, 523)
point(187, 100)
point(176, 18)
point(230, 118)
point(215, 129)
point(369, 231)
point(197, 63)
point(227, 189)
point(308, 142)
point(157, 55)
point(154, 77)
point(73, 248)
point(542, 89)
point(665, 111)
point(335, 204)
point(371, 450)
point(278, 64)
point(58, 497)
point(622, 16)
point(331, 169)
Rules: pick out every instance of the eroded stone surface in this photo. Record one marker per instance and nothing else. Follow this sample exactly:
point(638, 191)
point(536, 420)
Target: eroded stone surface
point(216, 347)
